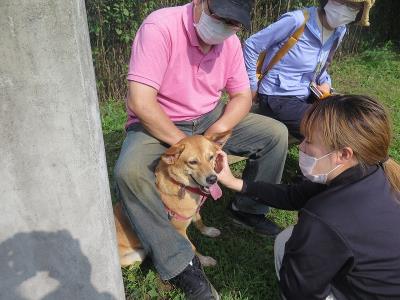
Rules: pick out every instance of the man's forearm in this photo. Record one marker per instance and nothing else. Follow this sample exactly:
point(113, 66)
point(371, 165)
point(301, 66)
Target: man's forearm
point(160, 126)
point(237, 108)
point(151, 115)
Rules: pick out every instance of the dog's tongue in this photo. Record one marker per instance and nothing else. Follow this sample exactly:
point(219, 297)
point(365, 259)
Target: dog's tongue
point(215, 191)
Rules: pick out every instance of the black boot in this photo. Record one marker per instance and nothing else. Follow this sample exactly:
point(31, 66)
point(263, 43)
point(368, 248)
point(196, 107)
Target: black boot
point(257, 223)
point(194, 283)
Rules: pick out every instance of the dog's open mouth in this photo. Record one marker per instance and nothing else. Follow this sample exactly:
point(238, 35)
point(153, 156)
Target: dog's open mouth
point(213, 190)
point(203, 188)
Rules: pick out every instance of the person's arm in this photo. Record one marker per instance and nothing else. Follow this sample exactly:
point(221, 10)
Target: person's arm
point(148, 64)
point(235, 110)
point(265, 39)
point(237, 87)
point(324, 81)
point(314, 254)
point(282, 196)
point(143, 102)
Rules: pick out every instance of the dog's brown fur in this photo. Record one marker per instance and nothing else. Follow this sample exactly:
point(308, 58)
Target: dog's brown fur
point(187, 163)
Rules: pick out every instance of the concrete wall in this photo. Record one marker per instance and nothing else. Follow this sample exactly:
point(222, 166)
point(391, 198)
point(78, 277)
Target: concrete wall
point(57, 238)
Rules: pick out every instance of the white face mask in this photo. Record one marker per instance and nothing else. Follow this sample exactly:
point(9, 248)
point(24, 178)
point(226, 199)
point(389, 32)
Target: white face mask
point(339, 14)
point(211, 30)
point(307, 164)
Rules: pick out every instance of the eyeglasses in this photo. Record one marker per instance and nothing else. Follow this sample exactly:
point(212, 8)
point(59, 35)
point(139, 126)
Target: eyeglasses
point(227, 22)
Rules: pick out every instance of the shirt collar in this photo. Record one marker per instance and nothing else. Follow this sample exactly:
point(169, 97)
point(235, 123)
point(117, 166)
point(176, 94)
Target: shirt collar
point(353, 174)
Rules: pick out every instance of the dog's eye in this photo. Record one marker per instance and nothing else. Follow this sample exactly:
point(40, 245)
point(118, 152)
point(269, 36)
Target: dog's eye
point(193, 162)
point(211, 157)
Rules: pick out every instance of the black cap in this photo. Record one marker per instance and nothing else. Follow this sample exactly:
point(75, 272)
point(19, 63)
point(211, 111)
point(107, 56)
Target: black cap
point(235, 10)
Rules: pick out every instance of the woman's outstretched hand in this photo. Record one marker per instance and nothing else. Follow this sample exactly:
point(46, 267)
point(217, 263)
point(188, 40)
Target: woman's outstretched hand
point(224, 173)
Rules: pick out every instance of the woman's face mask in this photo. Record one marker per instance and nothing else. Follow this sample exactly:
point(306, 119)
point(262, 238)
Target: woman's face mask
point(211, 30)
point(338, 14)
point(307, 165)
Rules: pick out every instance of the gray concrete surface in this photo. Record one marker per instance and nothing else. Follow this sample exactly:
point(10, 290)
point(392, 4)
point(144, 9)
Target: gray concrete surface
point(57, 236)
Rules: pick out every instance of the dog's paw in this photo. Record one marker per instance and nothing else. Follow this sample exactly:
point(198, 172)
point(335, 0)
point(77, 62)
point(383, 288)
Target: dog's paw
point(207, 261)
point(210, 231)
point(130, 258)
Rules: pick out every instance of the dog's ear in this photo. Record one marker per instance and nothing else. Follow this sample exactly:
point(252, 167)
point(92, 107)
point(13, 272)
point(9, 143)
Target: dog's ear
point(219, 138)
point(172, 153)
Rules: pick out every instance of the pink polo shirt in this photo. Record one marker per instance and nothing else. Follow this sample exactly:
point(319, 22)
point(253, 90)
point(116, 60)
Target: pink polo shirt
point(166, 55)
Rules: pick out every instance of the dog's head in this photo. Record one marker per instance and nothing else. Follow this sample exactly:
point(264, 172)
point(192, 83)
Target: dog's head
point(191, 162)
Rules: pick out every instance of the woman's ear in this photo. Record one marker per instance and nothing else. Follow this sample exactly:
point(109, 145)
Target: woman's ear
point(345, 155)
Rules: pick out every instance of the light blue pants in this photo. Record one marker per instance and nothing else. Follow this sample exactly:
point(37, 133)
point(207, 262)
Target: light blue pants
point(261, 139)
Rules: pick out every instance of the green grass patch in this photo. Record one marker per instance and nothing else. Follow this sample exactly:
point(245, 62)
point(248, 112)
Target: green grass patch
point(375, 73)
point(113, 118)
point(245, 267)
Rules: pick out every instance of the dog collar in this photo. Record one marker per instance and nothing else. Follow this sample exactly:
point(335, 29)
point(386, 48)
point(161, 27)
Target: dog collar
point(181, 194)
point(183, 188)
point(176, 216)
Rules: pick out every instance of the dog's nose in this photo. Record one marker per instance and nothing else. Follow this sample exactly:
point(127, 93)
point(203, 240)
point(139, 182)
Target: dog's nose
point(211, 179)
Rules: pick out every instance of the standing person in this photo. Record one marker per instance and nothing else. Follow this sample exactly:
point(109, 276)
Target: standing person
point(345, 243)
point(285, 91)
point(182, 59)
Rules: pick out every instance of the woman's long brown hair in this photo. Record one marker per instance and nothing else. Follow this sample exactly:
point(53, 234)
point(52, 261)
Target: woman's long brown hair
point(358, 122)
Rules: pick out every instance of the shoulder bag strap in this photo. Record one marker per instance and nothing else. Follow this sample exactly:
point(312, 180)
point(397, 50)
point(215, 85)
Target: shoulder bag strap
point(329, 58)
point(285, 48)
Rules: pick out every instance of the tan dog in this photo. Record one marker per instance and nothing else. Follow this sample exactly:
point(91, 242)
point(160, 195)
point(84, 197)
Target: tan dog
point(185, 177)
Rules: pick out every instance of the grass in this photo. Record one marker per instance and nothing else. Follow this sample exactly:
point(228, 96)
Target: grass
point(375, 73)
point(245, 267)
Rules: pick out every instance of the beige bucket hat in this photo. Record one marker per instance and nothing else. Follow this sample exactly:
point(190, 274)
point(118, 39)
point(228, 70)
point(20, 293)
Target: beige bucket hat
point(364, 21)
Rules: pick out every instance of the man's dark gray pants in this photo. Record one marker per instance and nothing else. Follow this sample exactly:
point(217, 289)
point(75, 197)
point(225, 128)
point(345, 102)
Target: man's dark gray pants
point(263, 140)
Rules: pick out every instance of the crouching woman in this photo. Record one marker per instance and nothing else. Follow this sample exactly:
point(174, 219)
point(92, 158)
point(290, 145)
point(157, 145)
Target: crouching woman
point(346, 242)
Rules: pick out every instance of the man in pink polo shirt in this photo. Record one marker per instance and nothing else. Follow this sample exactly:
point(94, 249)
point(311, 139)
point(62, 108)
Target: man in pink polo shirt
point(182, 59)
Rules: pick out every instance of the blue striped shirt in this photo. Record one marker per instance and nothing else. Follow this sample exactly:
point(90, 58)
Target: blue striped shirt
point(292, 75)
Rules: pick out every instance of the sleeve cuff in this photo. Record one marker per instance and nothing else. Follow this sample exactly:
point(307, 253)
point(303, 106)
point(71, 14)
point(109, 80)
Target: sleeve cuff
point(143, 80)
